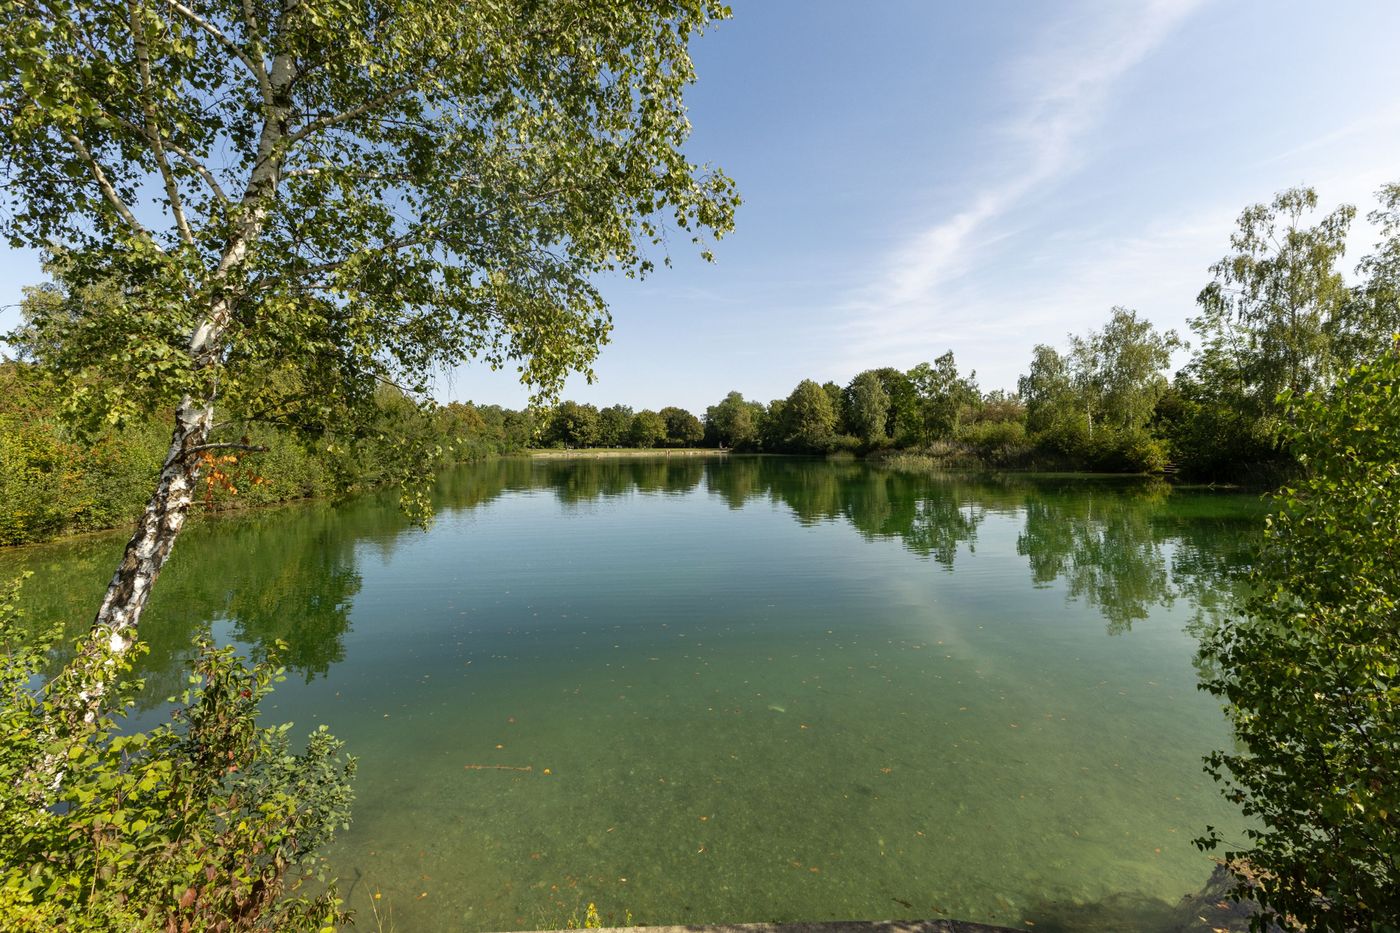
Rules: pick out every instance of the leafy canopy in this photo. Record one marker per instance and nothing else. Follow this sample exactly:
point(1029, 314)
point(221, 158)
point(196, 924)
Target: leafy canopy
point(376, 189)
point(1269, 315)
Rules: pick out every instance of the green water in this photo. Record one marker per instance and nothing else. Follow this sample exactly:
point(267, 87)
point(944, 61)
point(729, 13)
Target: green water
point(764, 689)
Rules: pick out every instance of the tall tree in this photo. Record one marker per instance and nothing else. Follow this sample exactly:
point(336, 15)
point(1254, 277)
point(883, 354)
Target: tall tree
point(573, 425)
point(1047, 389)
point(901, 422)
point(682, 428)
point(808, 417)
point(772, 427)
point(648, 429)
point(942, 396)
point(867, 407)
point(1311, 672)
point(1268, 315)
point(1118, 372)
point(838, 403)
point(614, 423)
point(1372, 319)
point(733, 422)
point(337, 195)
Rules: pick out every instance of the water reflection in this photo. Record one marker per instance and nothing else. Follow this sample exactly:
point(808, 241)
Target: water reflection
point(1123, 546)
point(292, 574)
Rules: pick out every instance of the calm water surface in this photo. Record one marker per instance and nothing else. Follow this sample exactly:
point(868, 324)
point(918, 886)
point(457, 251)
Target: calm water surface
point(755, 689)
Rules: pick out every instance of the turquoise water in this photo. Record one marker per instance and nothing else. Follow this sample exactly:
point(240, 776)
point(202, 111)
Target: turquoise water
point(744, 690)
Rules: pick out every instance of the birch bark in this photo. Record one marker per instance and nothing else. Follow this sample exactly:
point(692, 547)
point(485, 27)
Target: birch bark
point(114, 629)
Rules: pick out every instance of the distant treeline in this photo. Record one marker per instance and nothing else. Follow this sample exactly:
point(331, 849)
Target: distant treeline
point(1277, 319)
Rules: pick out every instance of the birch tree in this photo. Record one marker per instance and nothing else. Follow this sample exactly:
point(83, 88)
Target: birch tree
point(300, 199)
point(1270, 312)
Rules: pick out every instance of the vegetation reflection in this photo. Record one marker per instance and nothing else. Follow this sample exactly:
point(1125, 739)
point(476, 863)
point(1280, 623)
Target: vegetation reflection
point(1120, 546)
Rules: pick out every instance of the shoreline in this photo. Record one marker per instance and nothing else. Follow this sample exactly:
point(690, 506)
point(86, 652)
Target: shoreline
point(599, 453)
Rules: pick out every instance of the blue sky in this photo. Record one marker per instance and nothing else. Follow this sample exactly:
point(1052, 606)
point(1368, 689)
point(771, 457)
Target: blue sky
point(980, 177)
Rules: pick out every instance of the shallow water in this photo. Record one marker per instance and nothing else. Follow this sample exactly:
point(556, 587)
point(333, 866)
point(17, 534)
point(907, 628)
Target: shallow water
point(754, 689)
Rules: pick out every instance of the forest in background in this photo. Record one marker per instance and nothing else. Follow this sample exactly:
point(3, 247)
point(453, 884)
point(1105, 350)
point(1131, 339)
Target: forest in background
point(1277, 319)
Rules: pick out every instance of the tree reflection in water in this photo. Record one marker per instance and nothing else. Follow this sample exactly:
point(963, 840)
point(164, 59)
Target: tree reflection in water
point(291, 574)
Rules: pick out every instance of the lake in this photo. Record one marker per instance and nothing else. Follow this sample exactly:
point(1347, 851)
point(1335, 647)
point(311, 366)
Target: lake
point(723, 690)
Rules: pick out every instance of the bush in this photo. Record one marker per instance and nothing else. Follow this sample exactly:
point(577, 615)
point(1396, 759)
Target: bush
point(195, 825)
point(1311, 673)
point(996, 443)
point(1211, 441)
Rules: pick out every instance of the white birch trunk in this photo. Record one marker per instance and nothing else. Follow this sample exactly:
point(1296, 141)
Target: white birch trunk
point(114, 629)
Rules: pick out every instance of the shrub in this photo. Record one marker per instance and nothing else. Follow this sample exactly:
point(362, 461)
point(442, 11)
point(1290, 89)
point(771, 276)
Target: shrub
point(1311, 673)
point(199, 824)
point(996, 443)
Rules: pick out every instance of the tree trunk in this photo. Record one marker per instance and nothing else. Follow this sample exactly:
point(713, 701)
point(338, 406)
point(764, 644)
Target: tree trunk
point(114, 628)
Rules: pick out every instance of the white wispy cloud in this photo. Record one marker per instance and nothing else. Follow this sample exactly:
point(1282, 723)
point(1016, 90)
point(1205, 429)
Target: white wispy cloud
point(1062, 90)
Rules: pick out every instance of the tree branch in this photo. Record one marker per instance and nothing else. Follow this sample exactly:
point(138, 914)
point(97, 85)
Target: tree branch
point(250, 22)
point(188, 157)
point(108, 192)
point(326, 122)
point(258, 71)
point(143, 62)
point(227, 445)
point(201, 170)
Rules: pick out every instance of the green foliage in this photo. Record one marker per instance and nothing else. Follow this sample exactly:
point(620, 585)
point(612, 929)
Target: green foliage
point(53, 481)
point(867, 406)
point(808, 418)
point(1095, 406)
point(1047, 389)
point(614, 424)
point(942, 396)
point(1212, 441)
point(285, 208)
point(648, 429)
point(572, 425)
point(1311, 672)
point(996, 443)
point(1372, 316)
point(1117, 372)
point(733, 422)
point(56, 479)
point(772, 426)
point(208, 822)
point(1268, 316)
point(682, 428)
